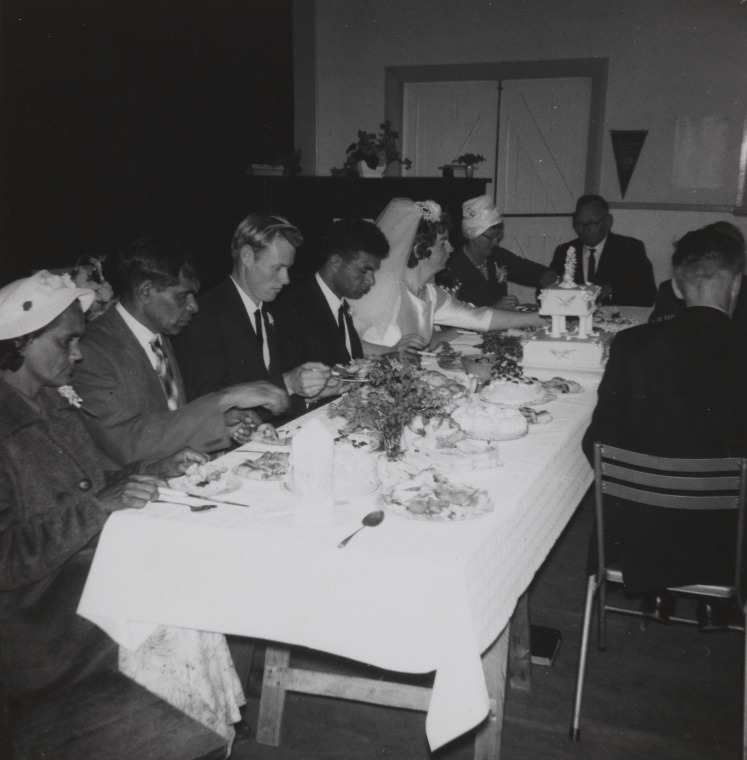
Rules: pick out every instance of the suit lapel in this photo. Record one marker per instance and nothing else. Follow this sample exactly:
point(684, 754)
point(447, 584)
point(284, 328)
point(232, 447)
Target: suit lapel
point(132, 354)
point(604, 263)
point(328, 326)
point(239, 326)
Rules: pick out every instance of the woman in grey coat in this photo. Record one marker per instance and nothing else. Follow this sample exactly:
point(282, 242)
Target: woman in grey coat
point(55, 499)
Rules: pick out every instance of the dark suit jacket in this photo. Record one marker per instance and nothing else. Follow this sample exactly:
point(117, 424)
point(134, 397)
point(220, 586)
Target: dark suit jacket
point(120, 387)
point(675, 389)
point(623, 266)
point(307, 329)
point(473, 288)
point(219, 346)
point(668, 306)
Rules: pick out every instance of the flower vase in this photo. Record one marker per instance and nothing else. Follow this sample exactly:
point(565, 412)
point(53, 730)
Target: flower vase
point(469, 171)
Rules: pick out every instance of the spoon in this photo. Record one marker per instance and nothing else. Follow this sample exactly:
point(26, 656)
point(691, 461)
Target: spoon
point(371, 520)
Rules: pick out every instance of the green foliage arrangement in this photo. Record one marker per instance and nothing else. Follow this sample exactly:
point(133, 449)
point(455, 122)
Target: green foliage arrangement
point(395, 395)
point(470, 159)
point(372, 148)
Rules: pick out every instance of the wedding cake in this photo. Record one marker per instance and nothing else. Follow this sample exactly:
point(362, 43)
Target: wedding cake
point(561, 347)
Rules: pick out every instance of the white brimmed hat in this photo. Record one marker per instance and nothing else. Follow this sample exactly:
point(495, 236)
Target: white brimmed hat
point(478, 215)
point(29, 304)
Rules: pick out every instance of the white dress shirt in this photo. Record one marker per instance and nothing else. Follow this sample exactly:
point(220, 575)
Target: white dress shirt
point(598, 248)
point(143, 335)
point(251, 307)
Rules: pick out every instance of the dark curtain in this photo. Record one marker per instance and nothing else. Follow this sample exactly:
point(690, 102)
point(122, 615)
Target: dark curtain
point(123, 116)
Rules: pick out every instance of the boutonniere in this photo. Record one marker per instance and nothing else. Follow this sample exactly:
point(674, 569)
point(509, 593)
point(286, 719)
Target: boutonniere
point(68, 392)
point(270, 319)
point(501, 273)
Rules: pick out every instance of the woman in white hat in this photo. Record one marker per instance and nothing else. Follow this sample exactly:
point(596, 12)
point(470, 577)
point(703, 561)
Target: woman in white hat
point(404, 305)
point(54, 501)
point(479, 268)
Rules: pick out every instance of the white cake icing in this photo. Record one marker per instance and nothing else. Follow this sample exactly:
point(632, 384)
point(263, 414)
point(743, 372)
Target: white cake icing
point(490, 423)
point(560, 348)
point(354, 473)
point(512, 392)
point(566, 353)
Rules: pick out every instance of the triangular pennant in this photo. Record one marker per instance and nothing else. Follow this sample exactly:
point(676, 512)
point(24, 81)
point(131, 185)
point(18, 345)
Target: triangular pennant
point(626, 145)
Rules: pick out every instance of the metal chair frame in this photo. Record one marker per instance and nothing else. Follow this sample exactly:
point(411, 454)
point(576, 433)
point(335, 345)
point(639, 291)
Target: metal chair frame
point(679, 483)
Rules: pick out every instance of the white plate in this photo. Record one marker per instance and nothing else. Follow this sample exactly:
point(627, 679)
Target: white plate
point(449, 513)
point(227, 484)
point(542, 398)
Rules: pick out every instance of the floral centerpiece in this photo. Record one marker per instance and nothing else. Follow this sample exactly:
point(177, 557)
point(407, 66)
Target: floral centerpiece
point(395, 396)
point(376, 151)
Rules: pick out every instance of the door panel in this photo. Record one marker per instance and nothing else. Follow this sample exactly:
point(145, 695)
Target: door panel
point(543, 141)
point(439, 117)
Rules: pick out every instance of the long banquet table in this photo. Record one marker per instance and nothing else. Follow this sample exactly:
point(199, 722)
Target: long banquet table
point(406, 596)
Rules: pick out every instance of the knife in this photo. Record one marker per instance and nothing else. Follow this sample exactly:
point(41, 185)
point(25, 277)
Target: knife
point(167, 493)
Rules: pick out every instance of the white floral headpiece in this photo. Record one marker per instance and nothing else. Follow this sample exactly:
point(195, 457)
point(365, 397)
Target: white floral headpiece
point(429, 210)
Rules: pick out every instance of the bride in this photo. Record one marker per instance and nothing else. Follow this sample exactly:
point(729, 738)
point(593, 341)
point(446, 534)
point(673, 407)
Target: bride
point(404, 305)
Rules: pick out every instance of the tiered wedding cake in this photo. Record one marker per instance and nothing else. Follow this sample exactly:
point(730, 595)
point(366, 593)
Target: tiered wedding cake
point(562, 348)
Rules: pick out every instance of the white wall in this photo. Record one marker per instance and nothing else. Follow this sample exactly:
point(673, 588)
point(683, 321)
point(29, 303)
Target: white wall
point(667, 59)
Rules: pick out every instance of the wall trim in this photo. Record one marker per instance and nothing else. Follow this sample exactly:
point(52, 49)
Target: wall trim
point(395, 78)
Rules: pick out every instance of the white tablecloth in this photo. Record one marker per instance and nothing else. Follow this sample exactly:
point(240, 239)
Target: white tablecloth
point(406, 596)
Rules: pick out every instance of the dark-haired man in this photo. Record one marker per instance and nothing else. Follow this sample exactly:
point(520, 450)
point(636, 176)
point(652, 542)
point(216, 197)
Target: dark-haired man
point(129, 378)
point(314, 322)
point(676, 389)
point(615, 262)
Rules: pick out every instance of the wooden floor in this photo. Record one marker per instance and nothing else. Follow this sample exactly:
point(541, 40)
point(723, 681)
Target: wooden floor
point(660, 693)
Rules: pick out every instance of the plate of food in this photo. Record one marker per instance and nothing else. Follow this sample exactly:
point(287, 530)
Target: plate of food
point(266, 435)
point(272, 465)
point(209, 479)
point(431, 497)
point(354, 372)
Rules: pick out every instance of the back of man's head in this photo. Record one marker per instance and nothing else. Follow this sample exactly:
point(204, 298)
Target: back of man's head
point(258, 231)
point(348, 237)
point(160, 260)
point(707, 264)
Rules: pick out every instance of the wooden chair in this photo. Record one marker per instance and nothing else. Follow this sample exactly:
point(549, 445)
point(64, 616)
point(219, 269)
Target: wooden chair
point(108, 717)
point(692, 484)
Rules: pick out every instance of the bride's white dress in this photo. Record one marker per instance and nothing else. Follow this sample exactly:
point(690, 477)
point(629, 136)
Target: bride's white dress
point(416, 315)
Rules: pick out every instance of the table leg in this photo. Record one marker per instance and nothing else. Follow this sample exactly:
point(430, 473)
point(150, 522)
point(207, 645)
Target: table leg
point(272, 701)
point(519, 650)
point(494, 662)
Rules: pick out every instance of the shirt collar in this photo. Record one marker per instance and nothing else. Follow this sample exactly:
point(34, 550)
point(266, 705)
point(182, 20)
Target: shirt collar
point(333, 301)
point(598, 248)
point(250, 304)
point(143, 335)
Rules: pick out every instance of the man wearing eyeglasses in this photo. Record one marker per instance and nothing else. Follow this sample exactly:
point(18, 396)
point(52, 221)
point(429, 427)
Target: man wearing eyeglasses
point(615, 262)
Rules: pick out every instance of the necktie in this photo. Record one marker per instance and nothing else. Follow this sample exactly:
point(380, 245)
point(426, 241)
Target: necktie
point(260, 328)
point(165, 374)
point(592, 268)
point(348, 332)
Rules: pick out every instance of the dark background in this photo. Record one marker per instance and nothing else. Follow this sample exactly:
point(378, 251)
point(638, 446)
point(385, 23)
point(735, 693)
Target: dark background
point(124, 116)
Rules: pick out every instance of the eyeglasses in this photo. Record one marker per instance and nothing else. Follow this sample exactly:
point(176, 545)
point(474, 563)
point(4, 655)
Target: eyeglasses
point(493, 232)
point(589, 225)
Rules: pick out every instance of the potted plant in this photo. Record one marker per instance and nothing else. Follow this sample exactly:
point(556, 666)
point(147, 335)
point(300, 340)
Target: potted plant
point(470, 160)
point(372, 153)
